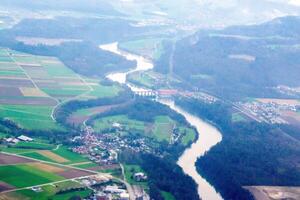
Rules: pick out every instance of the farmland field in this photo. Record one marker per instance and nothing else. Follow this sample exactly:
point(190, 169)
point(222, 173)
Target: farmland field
point(69, 155)
point(163, 128)
point(61, 155)
point(32, 86)
point(25, 175)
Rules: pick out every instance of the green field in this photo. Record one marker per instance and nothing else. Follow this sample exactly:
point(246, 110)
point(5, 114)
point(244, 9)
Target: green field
point(69, 155)
point(2, 135)
point(163, 127)
point(37, 156)
point(63, 92)
point(16, 150)
point(143, 79)
point(35, 145)
point(128, 124)
point(30, 117)
point(160, 130)
point(100, 91)
point(237, 117)
point(5, 59)
point(167, 195)
point(89, 165)
point(189, 135)
point(113, 172)
point(23, 175)
point(50, 192)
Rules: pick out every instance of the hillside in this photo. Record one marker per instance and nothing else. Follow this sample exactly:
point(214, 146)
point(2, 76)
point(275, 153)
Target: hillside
point(241, 60)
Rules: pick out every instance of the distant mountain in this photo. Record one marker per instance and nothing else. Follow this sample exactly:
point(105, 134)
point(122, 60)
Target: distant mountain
point(240, 60)
point(97, 6)
point(210, 13)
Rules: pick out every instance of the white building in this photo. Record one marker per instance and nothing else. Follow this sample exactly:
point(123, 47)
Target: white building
point(25, 138)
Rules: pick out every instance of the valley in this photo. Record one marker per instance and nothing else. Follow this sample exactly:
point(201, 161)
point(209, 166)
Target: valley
point(128, 100)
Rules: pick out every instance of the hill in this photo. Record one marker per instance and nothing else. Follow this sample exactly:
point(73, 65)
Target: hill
point(239, 61)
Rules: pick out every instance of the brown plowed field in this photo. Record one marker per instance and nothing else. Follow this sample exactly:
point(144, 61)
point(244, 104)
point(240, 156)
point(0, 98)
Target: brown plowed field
point(46, 167)
point(9, 159)
point(5, 186)
point(29, 101)
point(9, 91)
point(16, 83)
point(53, 156)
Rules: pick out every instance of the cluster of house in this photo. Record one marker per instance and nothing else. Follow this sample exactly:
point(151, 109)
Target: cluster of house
point(140, 177)
point(15, 140)
point(288, 90)
point(104, 188)
point(96, 151)
point(89, 144)
point(112, 192)
point(268, 112)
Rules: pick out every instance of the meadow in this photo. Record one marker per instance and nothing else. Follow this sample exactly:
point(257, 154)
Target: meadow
point(161, 129)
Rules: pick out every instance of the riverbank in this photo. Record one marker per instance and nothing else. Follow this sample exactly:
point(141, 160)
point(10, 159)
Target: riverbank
point(208, 135)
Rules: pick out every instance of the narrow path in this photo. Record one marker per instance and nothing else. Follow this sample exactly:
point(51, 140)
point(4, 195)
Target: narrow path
point(57, 147)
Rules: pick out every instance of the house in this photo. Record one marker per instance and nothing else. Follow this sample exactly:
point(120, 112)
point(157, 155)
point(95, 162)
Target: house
point(12, 140)
point(113, 189)
point(124, 196)
point(140, 177)
point(25, 138)
point(102, 196)
point(36, 189)
point(116, 125)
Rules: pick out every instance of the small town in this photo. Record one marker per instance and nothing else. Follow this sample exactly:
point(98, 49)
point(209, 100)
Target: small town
point(269, 112)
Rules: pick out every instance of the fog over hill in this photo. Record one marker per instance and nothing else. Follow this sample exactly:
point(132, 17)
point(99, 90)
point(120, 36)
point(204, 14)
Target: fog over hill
point(215, 13)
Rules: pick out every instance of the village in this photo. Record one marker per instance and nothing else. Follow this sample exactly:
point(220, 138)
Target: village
point(268, 111)
point(103, 150)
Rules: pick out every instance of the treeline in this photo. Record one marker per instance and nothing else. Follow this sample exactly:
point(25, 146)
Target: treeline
point(250, 153)
point(163, 175)
point(64, 111)
point(143, 110)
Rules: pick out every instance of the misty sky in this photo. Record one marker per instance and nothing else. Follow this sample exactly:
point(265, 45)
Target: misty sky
point(219, 13)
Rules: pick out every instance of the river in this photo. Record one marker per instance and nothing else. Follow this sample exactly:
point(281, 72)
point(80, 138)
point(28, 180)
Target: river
point(209, 136)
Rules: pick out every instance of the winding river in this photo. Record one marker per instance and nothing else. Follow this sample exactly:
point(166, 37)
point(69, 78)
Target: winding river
point(209, 136)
